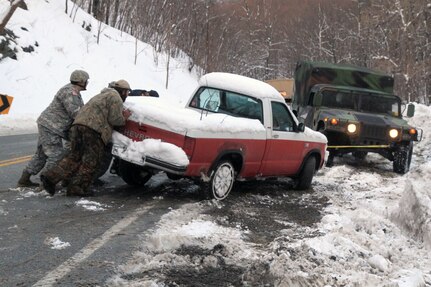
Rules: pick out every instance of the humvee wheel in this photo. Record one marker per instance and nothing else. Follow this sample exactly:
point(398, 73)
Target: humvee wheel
point(303, 181)
point(133, 174)
point(403, 158)
point(221, 181)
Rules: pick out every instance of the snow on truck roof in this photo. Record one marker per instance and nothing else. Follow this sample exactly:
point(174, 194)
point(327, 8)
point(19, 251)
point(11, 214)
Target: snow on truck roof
point(240, 84)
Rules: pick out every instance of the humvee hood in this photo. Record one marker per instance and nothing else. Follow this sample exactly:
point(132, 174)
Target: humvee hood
point(367, 118)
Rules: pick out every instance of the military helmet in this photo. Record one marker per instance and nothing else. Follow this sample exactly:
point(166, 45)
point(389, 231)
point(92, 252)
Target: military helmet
point(80, 78)
point(121, 84)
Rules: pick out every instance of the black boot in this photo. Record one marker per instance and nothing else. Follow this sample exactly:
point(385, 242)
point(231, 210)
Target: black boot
point(48, 185)
point(25, 181)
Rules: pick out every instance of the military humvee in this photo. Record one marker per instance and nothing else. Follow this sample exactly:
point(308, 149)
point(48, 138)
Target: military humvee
point(357, 111)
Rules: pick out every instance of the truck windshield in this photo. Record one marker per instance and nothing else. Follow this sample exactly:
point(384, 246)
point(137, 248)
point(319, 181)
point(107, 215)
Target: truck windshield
point(337, 99)
point(229, 103)
point(373, 103)
point(381, 105)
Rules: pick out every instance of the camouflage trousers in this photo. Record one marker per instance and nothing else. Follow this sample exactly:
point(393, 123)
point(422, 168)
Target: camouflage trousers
point(49, 151)
point(80, 164)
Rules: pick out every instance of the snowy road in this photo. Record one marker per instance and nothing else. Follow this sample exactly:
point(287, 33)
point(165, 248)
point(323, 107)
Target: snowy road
point(360, 225)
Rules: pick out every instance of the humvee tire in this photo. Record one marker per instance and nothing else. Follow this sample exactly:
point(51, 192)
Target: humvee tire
point(403, 158)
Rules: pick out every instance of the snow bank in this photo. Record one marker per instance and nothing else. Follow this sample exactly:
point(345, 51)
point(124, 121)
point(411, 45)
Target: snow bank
point(414, 209)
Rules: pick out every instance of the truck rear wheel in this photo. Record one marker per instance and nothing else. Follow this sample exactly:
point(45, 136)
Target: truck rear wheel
point(133, 174)
point(303, 181)
point(221, 181)
point(402, 158)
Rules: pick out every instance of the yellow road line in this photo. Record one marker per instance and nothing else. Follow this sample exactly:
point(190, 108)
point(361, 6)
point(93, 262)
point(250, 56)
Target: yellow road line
point(15, 160)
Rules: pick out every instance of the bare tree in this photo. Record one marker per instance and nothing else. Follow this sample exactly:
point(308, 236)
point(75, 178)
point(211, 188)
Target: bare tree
point(13, 6)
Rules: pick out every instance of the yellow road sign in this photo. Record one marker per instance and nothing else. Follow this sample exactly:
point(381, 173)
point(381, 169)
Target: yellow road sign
point(5, 103)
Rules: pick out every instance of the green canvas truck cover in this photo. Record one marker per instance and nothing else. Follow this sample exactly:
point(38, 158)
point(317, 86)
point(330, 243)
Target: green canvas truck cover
point(308, 74)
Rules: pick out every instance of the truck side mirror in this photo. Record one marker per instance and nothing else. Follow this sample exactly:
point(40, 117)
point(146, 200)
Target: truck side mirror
point(410, 110)
point(300, 128)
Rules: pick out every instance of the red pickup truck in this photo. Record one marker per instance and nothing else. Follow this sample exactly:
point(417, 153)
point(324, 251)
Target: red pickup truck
point(232, 128)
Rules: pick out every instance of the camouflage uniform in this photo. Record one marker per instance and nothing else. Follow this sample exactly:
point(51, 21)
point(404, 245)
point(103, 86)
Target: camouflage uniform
point(90, 133)
point(53, 126)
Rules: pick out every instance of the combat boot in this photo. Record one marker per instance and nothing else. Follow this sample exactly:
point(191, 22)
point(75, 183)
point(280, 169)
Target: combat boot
point(48, 185)
point(25, 181)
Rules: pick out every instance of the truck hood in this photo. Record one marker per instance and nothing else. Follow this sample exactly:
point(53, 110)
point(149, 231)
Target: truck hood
point(162, 114)
point(315, 136)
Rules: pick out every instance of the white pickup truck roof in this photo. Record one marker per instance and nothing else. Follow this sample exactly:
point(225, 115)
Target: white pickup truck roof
point(240, 84)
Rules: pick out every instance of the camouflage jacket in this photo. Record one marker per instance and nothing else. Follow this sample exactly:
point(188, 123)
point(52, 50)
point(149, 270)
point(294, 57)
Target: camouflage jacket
point(102, 113)
point(59, 115)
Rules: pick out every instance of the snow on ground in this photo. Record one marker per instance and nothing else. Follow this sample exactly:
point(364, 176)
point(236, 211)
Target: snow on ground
point(91, 205)
point(34, 79)
point(375, 232)
point(56, 243)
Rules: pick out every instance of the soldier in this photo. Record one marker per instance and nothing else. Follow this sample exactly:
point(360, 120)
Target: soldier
point(53, 126)
point(90, 133)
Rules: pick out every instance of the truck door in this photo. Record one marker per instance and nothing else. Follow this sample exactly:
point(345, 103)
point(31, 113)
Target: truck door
point(285, 147)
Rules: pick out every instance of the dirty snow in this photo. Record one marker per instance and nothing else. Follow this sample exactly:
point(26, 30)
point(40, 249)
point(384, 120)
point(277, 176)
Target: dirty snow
point(91, 205)
point(57, 244)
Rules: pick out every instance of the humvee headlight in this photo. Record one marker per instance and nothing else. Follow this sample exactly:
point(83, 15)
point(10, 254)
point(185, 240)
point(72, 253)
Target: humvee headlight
point(334, 122)
point(393, 133)
point(351, 128)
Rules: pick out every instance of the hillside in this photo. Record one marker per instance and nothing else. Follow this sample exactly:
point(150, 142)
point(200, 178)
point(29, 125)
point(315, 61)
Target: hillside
point(62, 45)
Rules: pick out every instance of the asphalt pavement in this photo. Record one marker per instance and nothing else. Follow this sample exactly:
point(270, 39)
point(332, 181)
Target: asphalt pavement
point(15, 152)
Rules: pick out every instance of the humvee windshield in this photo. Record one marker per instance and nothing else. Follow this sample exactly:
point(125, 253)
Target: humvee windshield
point(370, 103)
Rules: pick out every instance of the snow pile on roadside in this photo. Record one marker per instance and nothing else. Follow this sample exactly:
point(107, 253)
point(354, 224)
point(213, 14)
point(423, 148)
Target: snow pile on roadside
point(377, 226)
point(10, 125)
point(413, 212)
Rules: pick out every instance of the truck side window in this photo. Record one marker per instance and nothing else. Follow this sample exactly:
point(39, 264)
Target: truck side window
point(281, 118)
point(206, 99)
point(229, 103)
point(243, 106)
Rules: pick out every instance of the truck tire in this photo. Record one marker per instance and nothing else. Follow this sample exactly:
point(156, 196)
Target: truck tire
point(133, 174)
point(221, 181)
point(303, 181)
point(402, 158)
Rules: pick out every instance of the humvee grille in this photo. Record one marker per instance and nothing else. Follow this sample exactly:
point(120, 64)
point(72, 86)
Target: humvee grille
point(373, 132)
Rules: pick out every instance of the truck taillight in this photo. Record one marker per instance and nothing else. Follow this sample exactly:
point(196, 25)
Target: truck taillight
point(189, 146)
